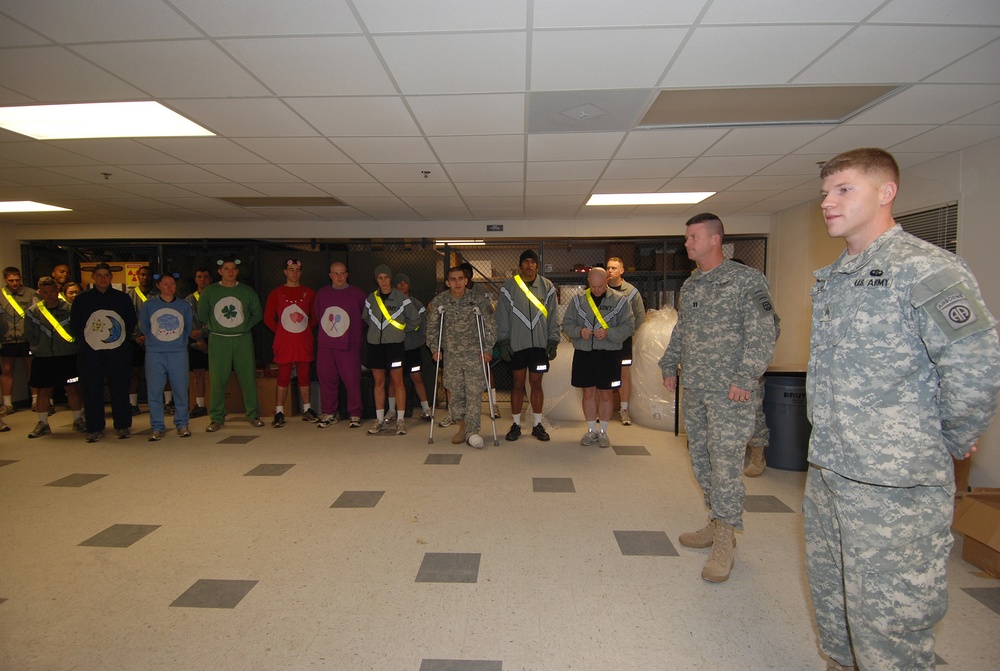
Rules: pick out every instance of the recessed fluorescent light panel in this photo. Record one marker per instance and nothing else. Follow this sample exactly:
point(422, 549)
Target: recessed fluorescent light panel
point(124, 119)
point(649, 198)
point(29, 206)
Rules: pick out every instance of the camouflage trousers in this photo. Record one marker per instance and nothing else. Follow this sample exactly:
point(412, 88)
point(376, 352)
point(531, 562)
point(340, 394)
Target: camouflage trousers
point(761, 434)
point(875, 558)
point(718, 430)
point(465, 382)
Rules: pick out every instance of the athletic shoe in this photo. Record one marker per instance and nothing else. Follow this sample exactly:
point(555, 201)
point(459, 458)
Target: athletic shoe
point(184, 432)
point(3, 427)
point(80, 424)
point(124, 433)
point(169, 408)
point(603, 440)
point(155, 436)
point(41, 429)
point(400, 427)
point(476, 441)
point(279, 420)
point(589, 438)
point(52, 408)
point(198, 411)
point(94, 437)
point(134, 409)
point(377, 427)
point(540, 433)
point(213, 427)
point(5, 410)
point(514, 433)
point(447, 421)
point(310, 416)
point(256, 421)
point(326, 420)
point(496, 412)
point(426, 415)
point(624, 416)
point(355, 422)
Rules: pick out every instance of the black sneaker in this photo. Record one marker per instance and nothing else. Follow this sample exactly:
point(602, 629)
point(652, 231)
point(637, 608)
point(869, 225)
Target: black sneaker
point(310, 416)
point(169, 408)
point(199, 411)
point(134, 409)
point(539, 433)
point(514, 433)
point(279, 420)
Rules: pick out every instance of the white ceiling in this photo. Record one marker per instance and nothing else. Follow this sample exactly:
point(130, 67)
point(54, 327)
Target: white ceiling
point(358, 98)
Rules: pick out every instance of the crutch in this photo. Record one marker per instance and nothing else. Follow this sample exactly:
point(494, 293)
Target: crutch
point(486, 374)
point(437, 367)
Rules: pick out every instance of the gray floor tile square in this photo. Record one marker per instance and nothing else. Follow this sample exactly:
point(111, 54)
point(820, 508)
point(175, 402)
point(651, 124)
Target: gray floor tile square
point(630, 450)
point(7, 462)
point(77, 480)
point(237, 440)
point(358, 499)
point(270, 469)
point(443, 459)
point(757, 503)
point(988, 596)
point(645, 544)
point(2, 599)
point(214, 594)
point(562, 485)
point(460, 665)
point(120, 535)
point(449, 567)
point(938, 661)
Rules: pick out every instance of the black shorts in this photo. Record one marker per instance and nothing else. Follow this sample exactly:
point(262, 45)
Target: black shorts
point(53, 371)
point(15, 350)
point(626, 352)
point(413, 360)
point(197, 360)
point(534, 359)
point(599, 368)
point(386, 356)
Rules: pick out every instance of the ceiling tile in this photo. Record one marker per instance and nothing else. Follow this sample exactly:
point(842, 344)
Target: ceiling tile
point(600, 13)
point(175, 173)
point(560, 187)
point(987, 115)
point(34, 177)
point(968, 12)
point(250, 172)
point(709, 166)
point(806, 164)
point(386, 149)
point(979, 67)
point(765, 140)
point(203, 150)
point(572, 146)
point(386, 16)
point(114, 150)
point(669, 143)
point(764, 183)
point(244, 117)
point(788, 11)
point(101, 20)
point(295, 150)
point(931, 104)
point(456, 63)
point(15, 35)
point(496, 114)
point(947, 138)
point(860, 57)
point(298, 66)
point(642, 185)
point(553, 170)
point(650, 168)
point(848, 136)
point(483, 189)
point(406, 172)
point(43, 154)
point(331, 172)
point(226, 18)
point(110, 177)
point(749, 55)
point(427, 188)
point(164, 69)
point(485, 172)
point(601, 59)
point(356, 116)
point(344, 189)
point(478, 148)
point(54, 75)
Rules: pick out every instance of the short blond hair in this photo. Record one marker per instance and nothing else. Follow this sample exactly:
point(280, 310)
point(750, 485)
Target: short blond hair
point(867, 160)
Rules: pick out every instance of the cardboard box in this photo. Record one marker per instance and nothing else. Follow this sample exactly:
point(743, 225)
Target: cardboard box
point(266, 386)
point(977, 517)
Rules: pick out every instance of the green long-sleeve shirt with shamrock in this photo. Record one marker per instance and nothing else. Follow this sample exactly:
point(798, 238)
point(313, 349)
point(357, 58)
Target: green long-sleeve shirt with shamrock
point(229, 311)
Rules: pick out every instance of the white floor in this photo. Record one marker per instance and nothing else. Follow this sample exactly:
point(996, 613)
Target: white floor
point(336, 588)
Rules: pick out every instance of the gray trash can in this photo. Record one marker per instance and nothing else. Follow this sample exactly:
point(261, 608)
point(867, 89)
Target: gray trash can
point(785, 412)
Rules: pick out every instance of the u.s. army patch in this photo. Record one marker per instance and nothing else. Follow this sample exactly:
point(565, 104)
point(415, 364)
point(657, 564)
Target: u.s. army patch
point(956, 310)
point(763, 300)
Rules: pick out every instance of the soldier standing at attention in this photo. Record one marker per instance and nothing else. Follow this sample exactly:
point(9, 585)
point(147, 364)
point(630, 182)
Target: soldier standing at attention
point(463, 376)
point(414, 342)
point(616, 268)
point(904, 373)
point(15, 299)
point(527, 337)
point(723, 341)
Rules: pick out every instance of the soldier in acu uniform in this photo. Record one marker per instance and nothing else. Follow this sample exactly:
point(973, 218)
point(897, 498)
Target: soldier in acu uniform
point(723, 341)
point(904, 371)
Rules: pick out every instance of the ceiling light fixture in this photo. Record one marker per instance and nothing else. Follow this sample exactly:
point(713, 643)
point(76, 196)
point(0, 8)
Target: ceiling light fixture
point(459, 243)
point(649, 198)
point(98, 120)
point(29, 206)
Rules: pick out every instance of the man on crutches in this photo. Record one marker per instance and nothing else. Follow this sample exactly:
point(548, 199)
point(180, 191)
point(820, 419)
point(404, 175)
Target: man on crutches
point(466, 333)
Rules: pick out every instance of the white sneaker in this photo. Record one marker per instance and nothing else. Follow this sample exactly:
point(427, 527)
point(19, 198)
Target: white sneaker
point(400, 427)
point(624, 416)
point(377, 427)
point(326, 420)
point(475, 440)
point(447, 421)
point(603, 440)
point(589, 438)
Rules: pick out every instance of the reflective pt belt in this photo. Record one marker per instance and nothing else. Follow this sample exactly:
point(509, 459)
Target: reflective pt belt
point(10, 299)
point(531, 297)
point(593, 307)
point(55, 323)
point(385, 313)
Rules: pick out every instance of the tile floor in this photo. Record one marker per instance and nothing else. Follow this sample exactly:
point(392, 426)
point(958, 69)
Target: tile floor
point(305, 548)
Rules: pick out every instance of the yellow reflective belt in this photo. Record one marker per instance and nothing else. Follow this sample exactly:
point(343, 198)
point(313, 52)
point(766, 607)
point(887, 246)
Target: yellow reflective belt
point(10, 298)
point(55, 323)
point(142, 296)
point(197, 296)
point(531, 297)
point(385, 313)
point(593, 307)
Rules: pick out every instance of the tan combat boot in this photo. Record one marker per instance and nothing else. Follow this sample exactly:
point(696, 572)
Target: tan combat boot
point(834, 665)
point(459, 436)
point(720, 562)
point(702, 538)
point(757, 463)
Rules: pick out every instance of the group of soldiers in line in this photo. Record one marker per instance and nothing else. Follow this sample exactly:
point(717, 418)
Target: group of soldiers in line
point(904, 375)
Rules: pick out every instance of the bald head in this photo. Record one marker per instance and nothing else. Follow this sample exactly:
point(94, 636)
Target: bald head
point(597, 279)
